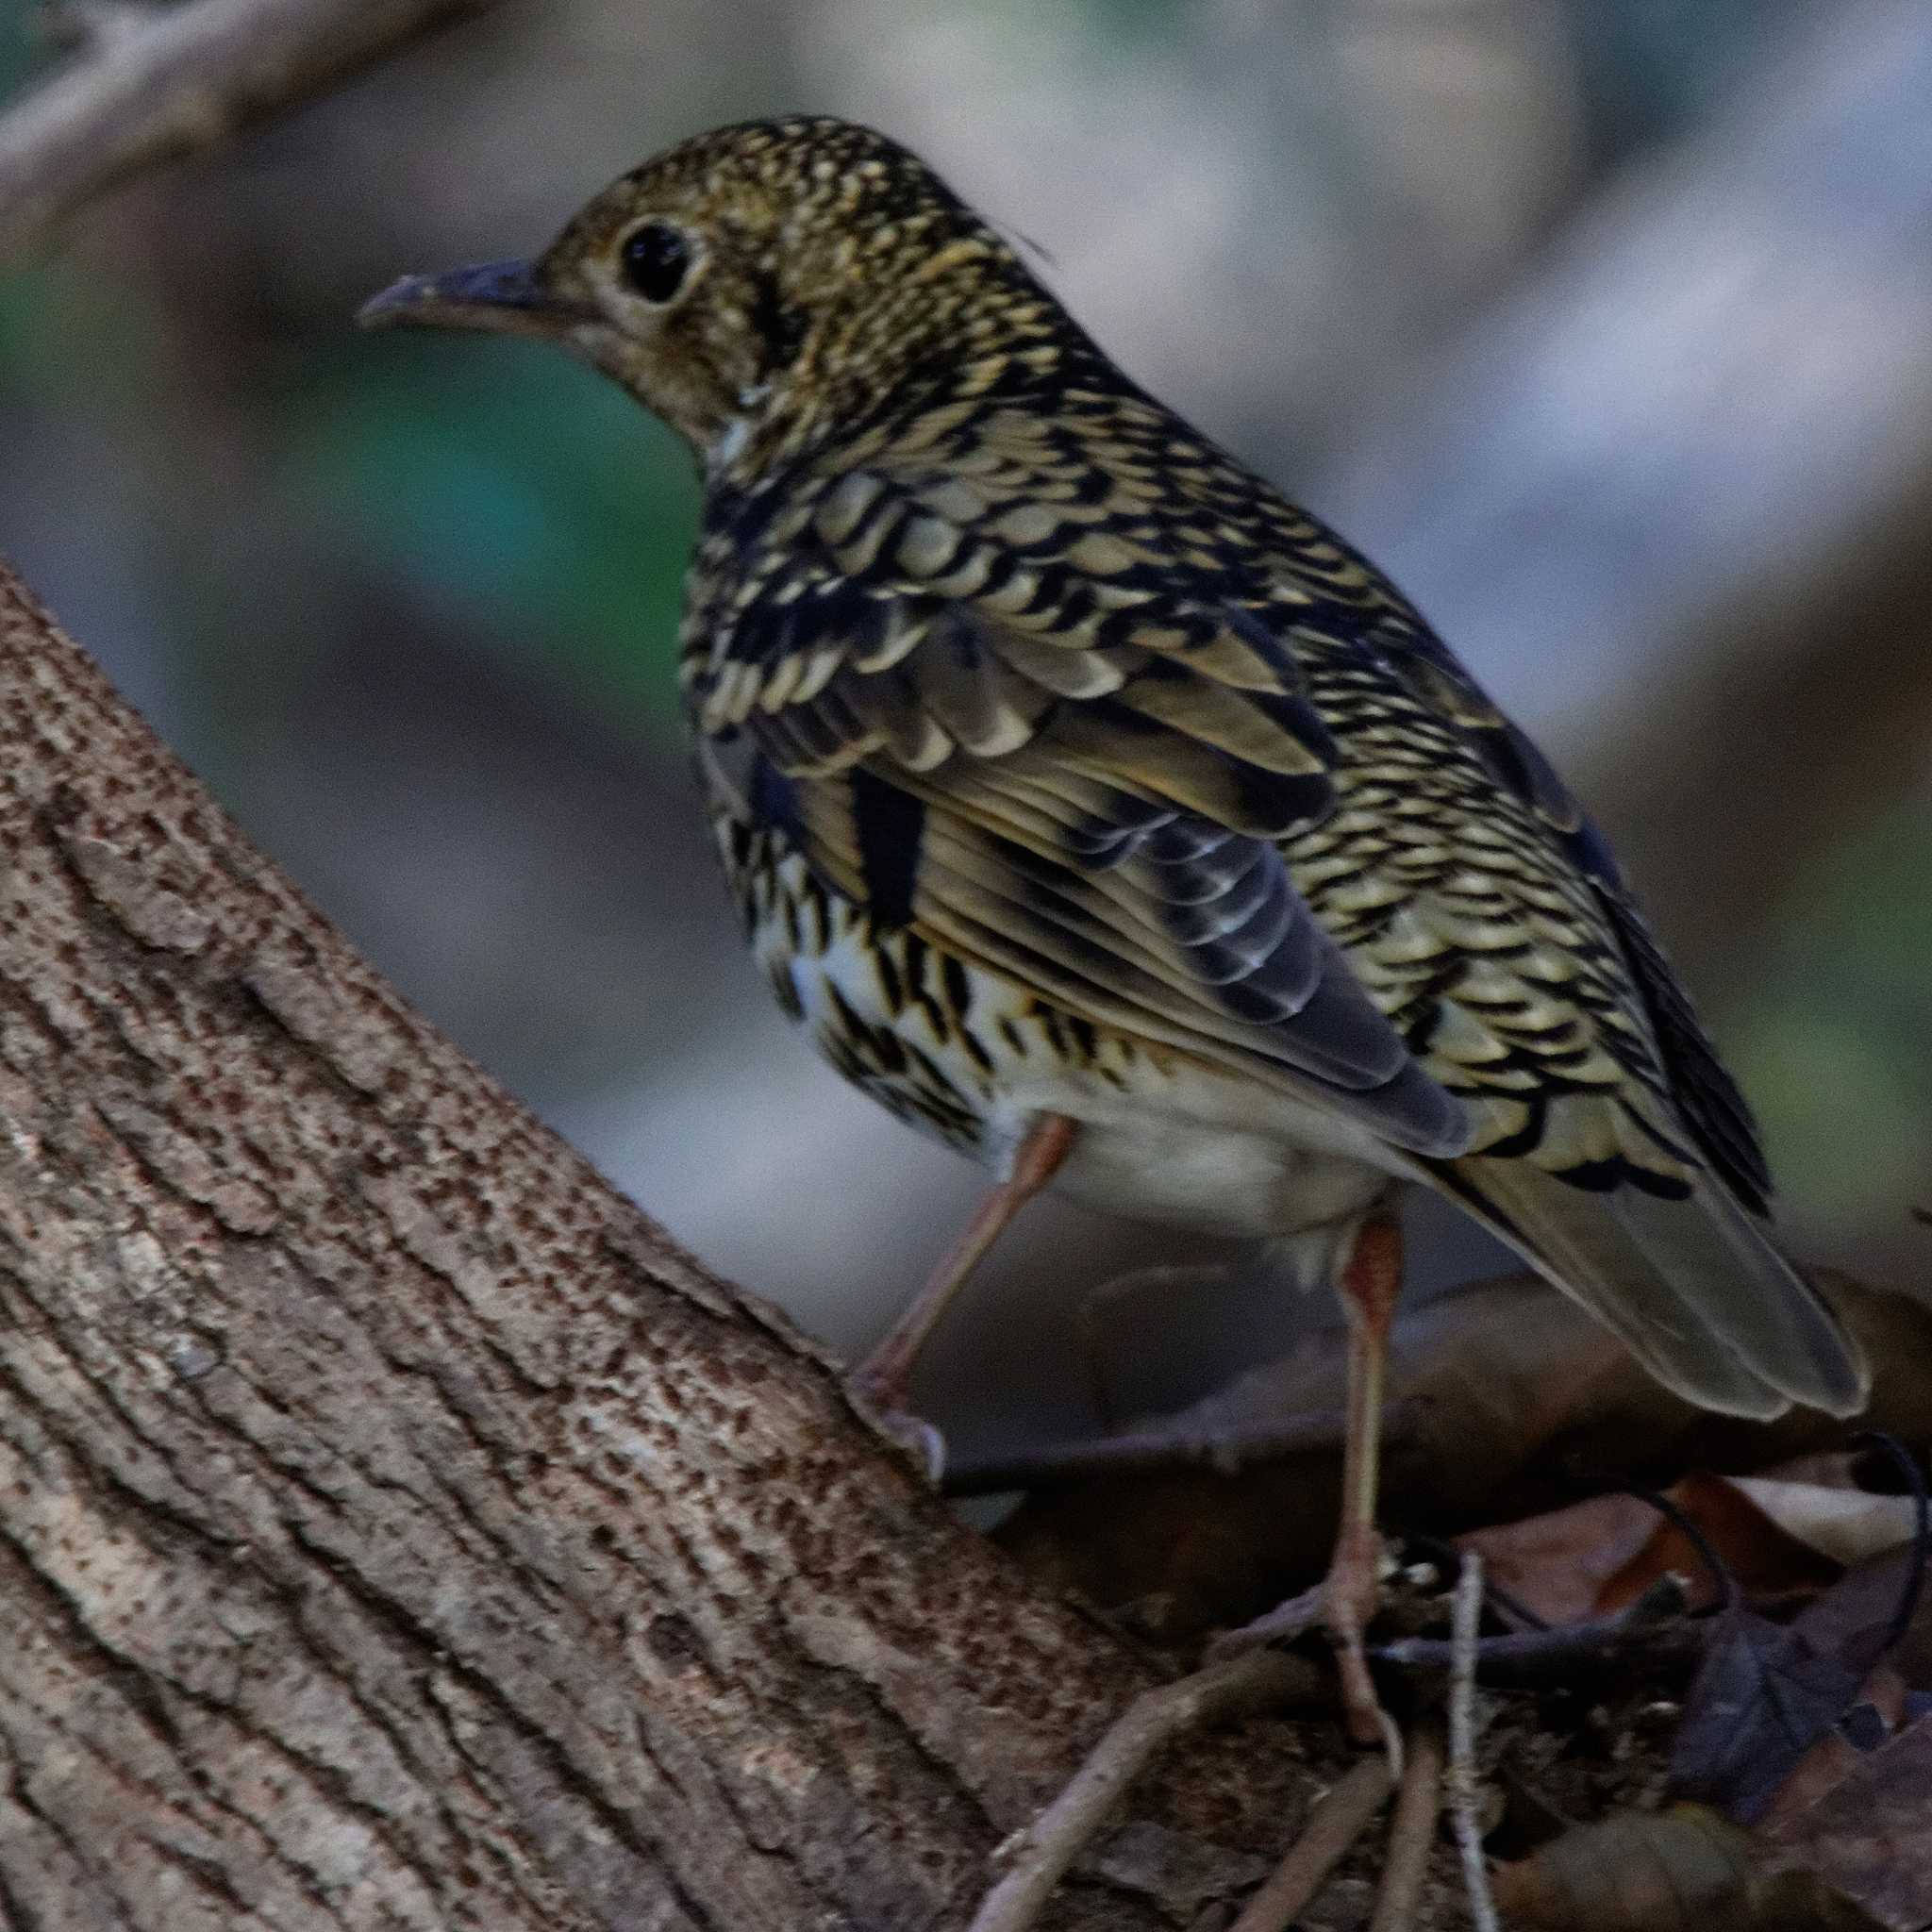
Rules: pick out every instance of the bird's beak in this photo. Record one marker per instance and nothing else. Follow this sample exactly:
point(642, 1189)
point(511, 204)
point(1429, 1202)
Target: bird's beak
point(507, 297)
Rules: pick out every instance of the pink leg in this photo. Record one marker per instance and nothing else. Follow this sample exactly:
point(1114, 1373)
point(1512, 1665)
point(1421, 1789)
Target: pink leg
point(884, 1380)
point(1369, 1282)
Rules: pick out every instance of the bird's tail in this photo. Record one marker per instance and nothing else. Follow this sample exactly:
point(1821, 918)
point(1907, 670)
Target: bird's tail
point(1694, 1286)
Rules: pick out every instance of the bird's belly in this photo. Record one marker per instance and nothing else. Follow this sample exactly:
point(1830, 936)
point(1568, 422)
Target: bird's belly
point(1195, 1149)
point(972, 1058)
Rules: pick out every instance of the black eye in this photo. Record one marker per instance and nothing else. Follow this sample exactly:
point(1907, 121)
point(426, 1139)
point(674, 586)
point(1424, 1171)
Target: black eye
point(655, 260)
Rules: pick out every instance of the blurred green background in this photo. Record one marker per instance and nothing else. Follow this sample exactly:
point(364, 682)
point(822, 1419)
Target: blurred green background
point(1603, 323)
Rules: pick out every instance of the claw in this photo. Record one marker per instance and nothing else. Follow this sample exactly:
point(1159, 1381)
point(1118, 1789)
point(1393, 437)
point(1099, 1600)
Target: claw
point(912, 1435)
point(1344, 1603)
point(1350, 1597)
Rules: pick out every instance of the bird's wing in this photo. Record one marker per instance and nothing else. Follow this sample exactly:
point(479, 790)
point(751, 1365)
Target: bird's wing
point(1706, 1097)
point(996, 736)
point(1102, 769)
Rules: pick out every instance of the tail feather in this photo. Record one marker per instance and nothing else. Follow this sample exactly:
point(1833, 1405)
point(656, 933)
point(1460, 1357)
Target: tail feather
point(1693, 1285)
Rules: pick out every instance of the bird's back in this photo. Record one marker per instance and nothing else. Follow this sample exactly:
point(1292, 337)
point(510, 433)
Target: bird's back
point(1025, 646)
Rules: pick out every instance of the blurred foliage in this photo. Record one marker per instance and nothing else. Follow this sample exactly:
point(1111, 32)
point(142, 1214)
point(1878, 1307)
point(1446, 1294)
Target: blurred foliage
point(21, 46)
point(70, 340)
point(527, 496)
point(1107, 18)
point(1841, 1087)
point(1651, 69)
point(534, 504)
point(521, 496)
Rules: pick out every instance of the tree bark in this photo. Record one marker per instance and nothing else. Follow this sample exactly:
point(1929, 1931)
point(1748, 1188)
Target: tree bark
point(397, 1529)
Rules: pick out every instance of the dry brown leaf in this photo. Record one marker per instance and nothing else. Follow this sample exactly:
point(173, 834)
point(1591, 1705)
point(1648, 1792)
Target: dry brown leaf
point(1870, 1835)
point(1557, 1565)
point(1778, 1712)
point(1762, 1698)
point(1856, 1809)
point(1857, 1617)
point(1597, 1557)
point(1684, 1869)
point(1835, 1756)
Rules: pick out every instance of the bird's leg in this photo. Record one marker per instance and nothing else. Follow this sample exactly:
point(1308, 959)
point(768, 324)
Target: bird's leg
point(1368, 1282)
point(883, 1382)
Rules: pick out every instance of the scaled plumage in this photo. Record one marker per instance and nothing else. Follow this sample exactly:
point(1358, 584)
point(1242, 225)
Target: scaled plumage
point(1061, 766)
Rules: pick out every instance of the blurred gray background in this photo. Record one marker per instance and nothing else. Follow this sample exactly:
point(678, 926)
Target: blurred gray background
point(1604, 325)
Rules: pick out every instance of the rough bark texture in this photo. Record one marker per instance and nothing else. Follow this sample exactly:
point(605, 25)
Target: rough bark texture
point(395, 1531)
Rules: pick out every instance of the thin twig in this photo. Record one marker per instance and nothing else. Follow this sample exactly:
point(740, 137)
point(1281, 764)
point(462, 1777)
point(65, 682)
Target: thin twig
point(1398, 1905)
point(1653, 1622)
point(1466, 1621)
point(1692, 1531)
point(1158, 1451)
point(1265, 1680)
point(1340, 1815)
point(1290, 1619)
point(181, 79)
point(1907, 1464)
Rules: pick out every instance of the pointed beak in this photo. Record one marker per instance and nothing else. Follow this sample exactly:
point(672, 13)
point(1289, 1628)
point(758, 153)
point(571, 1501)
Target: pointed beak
point(507, 297)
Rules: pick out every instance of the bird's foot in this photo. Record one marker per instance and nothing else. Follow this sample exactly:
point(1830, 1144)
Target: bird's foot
point(1351, 1595)
point(1344, 1601)
point(882, 1410)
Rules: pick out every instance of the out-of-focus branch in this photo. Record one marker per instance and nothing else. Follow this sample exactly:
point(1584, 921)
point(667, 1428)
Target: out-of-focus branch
point(1677, 483)
point(156, 84)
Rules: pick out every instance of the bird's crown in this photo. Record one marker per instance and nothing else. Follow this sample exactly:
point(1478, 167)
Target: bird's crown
point(757, 285)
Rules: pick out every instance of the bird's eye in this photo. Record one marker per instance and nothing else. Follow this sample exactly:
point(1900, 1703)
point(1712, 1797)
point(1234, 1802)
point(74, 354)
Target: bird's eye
point(655, 261)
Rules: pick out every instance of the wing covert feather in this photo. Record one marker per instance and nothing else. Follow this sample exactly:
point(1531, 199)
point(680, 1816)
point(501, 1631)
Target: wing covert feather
point(1101, 812)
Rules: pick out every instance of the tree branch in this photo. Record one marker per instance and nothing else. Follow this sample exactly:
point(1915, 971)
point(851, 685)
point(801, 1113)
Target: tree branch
point(1262, 1681)
point(170, 81)
point(398, 1529)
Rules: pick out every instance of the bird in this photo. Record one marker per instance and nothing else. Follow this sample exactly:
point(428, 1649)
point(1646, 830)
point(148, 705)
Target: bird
point(1110, 818)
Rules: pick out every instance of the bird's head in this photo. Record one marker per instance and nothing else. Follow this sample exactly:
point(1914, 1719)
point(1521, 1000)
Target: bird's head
point(754, 285)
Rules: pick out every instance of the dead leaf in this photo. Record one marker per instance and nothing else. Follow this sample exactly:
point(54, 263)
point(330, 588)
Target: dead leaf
point(1595, 1558)
point(1859, 1617)
point(1557, 1565)
point(1857, 1809)
point(1761, 1698)
point(1767, 1694)
point(1870, 1837)
point(1880, 1707)
point(1684, 1869)
point(1844, 1522)
point(1760, 1558)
